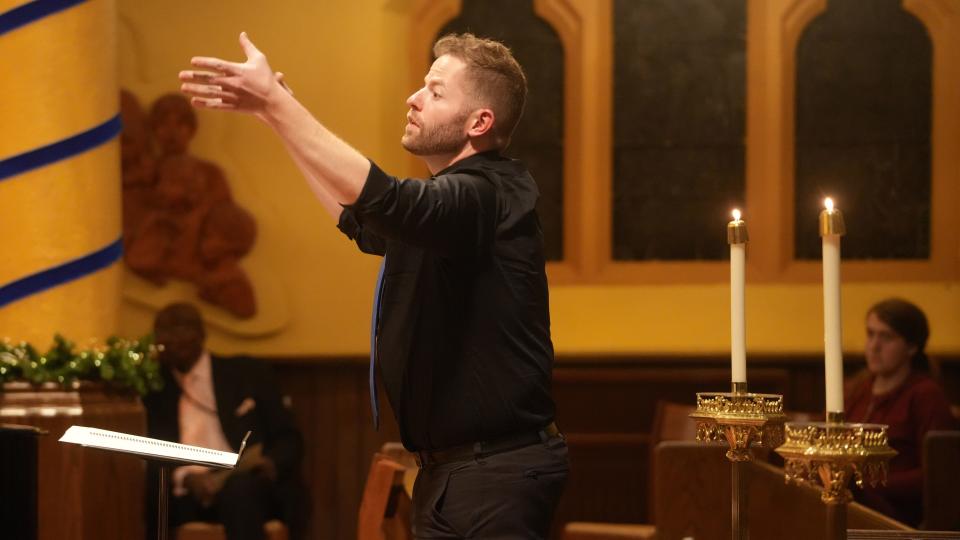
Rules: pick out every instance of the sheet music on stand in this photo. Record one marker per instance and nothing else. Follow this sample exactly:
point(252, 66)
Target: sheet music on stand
point(169, 454)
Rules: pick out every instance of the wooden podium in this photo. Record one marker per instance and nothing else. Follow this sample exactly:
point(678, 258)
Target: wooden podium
point(18, 490)
point(74, 487)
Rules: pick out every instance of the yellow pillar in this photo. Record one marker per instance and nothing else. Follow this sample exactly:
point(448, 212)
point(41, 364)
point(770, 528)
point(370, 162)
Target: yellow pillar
point(60, 201)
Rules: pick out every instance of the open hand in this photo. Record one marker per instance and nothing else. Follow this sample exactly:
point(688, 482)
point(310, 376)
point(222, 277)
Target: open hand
point(246, 87)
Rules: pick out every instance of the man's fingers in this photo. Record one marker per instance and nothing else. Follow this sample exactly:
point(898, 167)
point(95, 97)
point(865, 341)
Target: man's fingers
point(199, 76)
point(219, 84)
point(216, 64)
point(210, 78)
point(211, 103)
point(249, 48)
point(208, 91)
point(200, 89)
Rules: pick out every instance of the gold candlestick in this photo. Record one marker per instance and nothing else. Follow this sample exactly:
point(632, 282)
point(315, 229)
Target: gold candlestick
point(828, 454)
point(741, 420)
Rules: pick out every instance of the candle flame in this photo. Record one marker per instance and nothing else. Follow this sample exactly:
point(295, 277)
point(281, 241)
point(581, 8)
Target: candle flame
point(736, 214)
point(828, 202)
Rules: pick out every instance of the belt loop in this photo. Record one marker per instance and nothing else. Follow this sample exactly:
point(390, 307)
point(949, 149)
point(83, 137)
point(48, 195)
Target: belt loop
point(543, 435)
point(477, 450)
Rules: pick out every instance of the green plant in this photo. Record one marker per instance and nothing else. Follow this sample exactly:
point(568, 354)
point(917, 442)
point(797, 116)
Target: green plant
point(123, 363)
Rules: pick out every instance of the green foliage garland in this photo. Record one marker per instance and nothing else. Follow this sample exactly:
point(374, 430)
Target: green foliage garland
point(122, 363)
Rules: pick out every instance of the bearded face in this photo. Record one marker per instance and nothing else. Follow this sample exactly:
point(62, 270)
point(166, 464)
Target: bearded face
point(425, 138)
point(439, 111)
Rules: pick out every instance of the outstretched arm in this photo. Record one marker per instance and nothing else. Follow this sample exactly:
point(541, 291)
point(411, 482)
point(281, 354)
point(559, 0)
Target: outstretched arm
point(335, 170)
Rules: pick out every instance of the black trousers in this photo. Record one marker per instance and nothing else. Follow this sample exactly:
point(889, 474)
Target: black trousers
point(243, 505)
point(510, 495)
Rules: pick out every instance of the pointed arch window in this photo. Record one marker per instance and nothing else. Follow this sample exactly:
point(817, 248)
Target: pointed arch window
point(863, 129)
point(679, 99)
point(538, 140)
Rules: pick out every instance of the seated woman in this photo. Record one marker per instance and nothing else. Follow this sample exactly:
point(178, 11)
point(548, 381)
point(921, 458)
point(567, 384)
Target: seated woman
point(899, 392)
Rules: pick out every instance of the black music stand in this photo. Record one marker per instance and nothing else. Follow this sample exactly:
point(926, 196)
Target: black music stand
point(165, 463)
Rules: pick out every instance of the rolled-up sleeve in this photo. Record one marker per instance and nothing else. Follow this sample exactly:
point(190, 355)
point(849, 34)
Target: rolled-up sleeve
point(367, 241)
point(453, 213)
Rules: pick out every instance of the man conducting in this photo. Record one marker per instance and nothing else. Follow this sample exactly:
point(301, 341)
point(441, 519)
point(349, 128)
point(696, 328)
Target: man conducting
point(461, 316)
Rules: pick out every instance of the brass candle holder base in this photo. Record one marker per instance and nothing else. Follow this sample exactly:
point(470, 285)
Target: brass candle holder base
point(828, 454)
point(742, 420)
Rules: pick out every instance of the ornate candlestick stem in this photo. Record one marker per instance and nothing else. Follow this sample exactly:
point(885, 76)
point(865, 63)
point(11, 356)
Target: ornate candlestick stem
point(741, 420)
point(837, 480)
point(829, 454)
point(739, 500)
point(836, 521)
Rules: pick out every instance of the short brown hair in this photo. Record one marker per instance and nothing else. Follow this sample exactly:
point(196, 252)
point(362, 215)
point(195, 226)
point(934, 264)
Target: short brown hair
point(909, 322)
point(497, 78)
point(179, 315)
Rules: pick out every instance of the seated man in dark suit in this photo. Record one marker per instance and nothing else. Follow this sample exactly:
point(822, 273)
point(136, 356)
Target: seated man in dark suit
point(212, 402)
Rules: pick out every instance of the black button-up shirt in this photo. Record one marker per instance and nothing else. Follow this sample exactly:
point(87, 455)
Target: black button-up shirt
point(464, 346)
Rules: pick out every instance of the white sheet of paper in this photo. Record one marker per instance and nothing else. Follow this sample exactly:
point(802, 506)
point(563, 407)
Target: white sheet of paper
point(147, 447)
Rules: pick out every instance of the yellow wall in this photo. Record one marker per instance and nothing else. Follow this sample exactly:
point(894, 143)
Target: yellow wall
point(59, 75)
point(333, 56)
point(692, 319)
point(348, 63)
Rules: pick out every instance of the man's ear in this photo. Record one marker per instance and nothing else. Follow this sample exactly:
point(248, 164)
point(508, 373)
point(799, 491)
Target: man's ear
point(480, 122)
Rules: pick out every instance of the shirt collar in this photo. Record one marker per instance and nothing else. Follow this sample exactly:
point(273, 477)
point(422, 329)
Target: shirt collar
point(489, 155)
point(200, 371)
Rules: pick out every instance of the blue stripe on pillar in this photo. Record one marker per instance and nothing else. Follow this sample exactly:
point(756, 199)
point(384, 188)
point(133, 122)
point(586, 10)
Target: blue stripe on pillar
point(60, 150)
point(32, 11)
point(58, 275)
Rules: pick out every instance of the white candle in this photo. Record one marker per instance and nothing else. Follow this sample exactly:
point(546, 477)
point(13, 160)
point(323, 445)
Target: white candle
point(737, 238)
point(831, 228)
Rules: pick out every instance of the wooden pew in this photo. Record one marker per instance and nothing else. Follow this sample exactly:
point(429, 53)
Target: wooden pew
point(901, 535)
point(692, 486)
point(385, 509)
point(941, 478)
point(672, 422)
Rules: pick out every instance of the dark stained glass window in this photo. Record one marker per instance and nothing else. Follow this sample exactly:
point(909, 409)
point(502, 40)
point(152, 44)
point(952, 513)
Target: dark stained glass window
point(863, 113)
point(679, 114)
point(538, 140)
